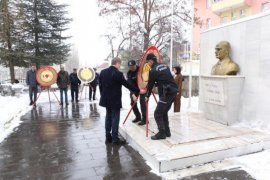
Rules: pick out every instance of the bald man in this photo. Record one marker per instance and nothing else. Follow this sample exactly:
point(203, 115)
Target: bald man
point(225, 65)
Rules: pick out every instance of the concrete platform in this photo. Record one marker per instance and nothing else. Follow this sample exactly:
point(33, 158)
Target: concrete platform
point(195, 140)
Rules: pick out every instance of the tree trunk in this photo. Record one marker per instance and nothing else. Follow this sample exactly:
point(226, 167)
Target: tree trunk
point(7, 30)
point(36, 21)
point(11, 71)
point(146, 41)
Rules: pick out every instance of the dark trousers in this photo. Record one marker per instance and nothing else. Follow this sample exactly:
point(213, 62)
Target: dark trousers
point(33, 91)
point(92, 90)
point(74, 91)
point(112, 123)
point(143, 108)
point(61, 95)
point(161, 112)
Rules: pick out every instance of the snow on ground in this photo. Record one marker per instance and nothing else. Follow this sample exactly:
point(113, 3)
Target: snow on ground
point(257, 165)
point(11, 110)
point(13, 107)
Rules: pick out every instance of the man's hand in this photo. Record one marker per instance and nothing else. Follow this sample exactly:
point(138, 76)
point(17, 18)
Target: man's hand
point(142, 91)
point(134, 97)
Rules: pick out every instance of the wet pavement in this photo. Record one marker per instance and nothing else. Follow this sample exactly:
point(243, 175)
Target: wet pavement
point(69, 143)
point(233, 174)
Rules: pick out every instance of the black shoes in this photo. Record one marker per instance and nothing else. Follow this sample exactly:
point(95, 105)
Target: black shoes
point(168, 133)
point(31, 103)
point(108, 140)
point(159, 135)
point(119, 142)
point(141, 123)
point(136, 120)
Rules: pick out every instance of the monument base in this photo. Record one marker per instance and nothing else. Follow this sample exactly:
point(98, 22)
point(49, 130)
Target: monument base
point(220, 98)
point(195, 140)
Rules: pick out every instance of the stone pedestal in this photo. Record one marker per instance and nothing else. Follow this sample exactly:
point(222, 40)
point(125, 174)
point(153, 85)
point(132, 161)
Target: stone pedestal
point(220, 97)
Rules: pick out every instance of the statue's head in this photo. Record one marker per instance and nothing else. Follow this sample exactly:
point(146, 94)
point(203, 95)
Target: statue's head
point(222, 50)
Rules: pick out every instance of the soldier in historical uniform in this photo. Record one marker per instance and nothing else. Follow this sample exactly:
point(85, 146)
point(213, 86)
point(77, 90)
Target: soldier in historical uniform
point(167, 88)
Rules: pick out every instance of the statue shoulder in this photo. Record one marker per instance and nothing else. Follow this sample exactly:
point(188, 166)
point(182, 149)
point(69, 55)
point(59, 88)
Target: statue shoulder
point(234, 66)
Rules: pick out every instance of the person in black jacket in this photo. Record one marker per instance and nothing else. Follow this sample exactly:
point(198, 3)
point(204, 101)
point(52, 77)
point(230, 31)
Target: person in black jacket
point(63, 83)
point(132, 79)
point(167, 88)
point(111, 81)
point(93, 86)
point(75, 83)
point(32, 83)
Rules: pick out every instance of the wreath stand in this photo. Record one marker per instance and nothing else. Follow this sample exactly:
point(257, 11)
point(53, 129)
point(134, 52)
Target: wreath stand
point(82, 89)
point(49, 89)
point(146, 113)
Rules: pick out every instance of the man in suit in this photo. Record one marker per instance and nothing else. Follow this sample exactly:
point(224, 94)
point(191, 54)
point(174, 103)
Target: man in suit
point(75, 82)
point(111, 81)
point(33, 84)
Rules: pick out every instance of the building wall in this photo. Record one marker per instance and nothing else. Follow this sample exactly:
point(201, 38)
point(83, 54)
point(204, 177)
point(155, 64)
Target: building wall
point(250, 43)
point(251, 7)
point(204, 13)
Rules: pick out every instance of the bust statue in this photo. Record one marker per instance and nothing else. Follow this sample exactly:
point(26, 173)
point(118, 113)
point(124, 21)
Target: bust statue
point(225, 65)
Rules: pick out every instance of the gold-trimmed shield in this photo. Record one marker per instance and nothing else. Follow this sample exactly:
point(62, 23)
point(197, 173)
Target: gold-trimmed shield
point(86, 74)
point(46, 76)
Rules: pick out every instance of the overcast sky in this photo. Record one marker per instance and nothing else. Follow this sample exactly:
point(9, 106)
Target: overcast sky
point(87, 29)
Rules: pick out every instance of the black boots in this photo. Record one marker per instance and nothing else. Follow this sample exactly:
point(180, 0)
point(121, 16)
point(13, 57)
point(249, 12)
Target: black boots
point(142, 123)
point(136, 120)
point(168, 132)
point(160, 135)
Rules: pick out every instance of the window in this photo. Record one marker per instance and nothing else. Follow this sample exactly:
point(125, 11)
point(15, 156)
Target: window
point(242, 13)
point(265, 6)
point(224, 19)
point(234, 15)
point(208, 3)
point(209, 23)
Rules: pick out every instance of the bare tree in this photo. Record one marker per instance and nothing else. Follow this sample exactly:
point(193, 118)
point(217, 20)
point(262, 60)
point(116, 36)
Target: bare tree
point(151, 22)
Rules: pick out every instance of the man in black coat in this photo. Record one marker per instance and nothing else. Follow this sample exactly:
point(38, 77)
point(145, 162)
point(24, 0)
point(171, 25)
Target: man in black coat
point(132, 79)
point(167, 90)
point(111, 81)
point(63, 83)
point(32, 83)
point(75, 83)
point(93, 86)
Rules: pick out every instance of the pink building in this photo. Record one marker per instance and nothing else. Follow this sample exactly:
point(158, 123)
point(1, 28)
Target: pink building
point(216, 12)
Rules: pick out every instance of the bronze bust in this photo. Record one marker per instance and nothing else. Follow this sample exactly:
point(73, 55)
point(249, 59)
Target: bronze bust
point(225, 65)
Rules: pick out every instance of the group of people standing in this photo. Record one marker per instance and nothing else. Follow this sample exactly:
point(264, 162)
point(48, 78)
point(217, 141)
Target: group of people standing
point(64, 80)
point(110, 83)
point(169, 90)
